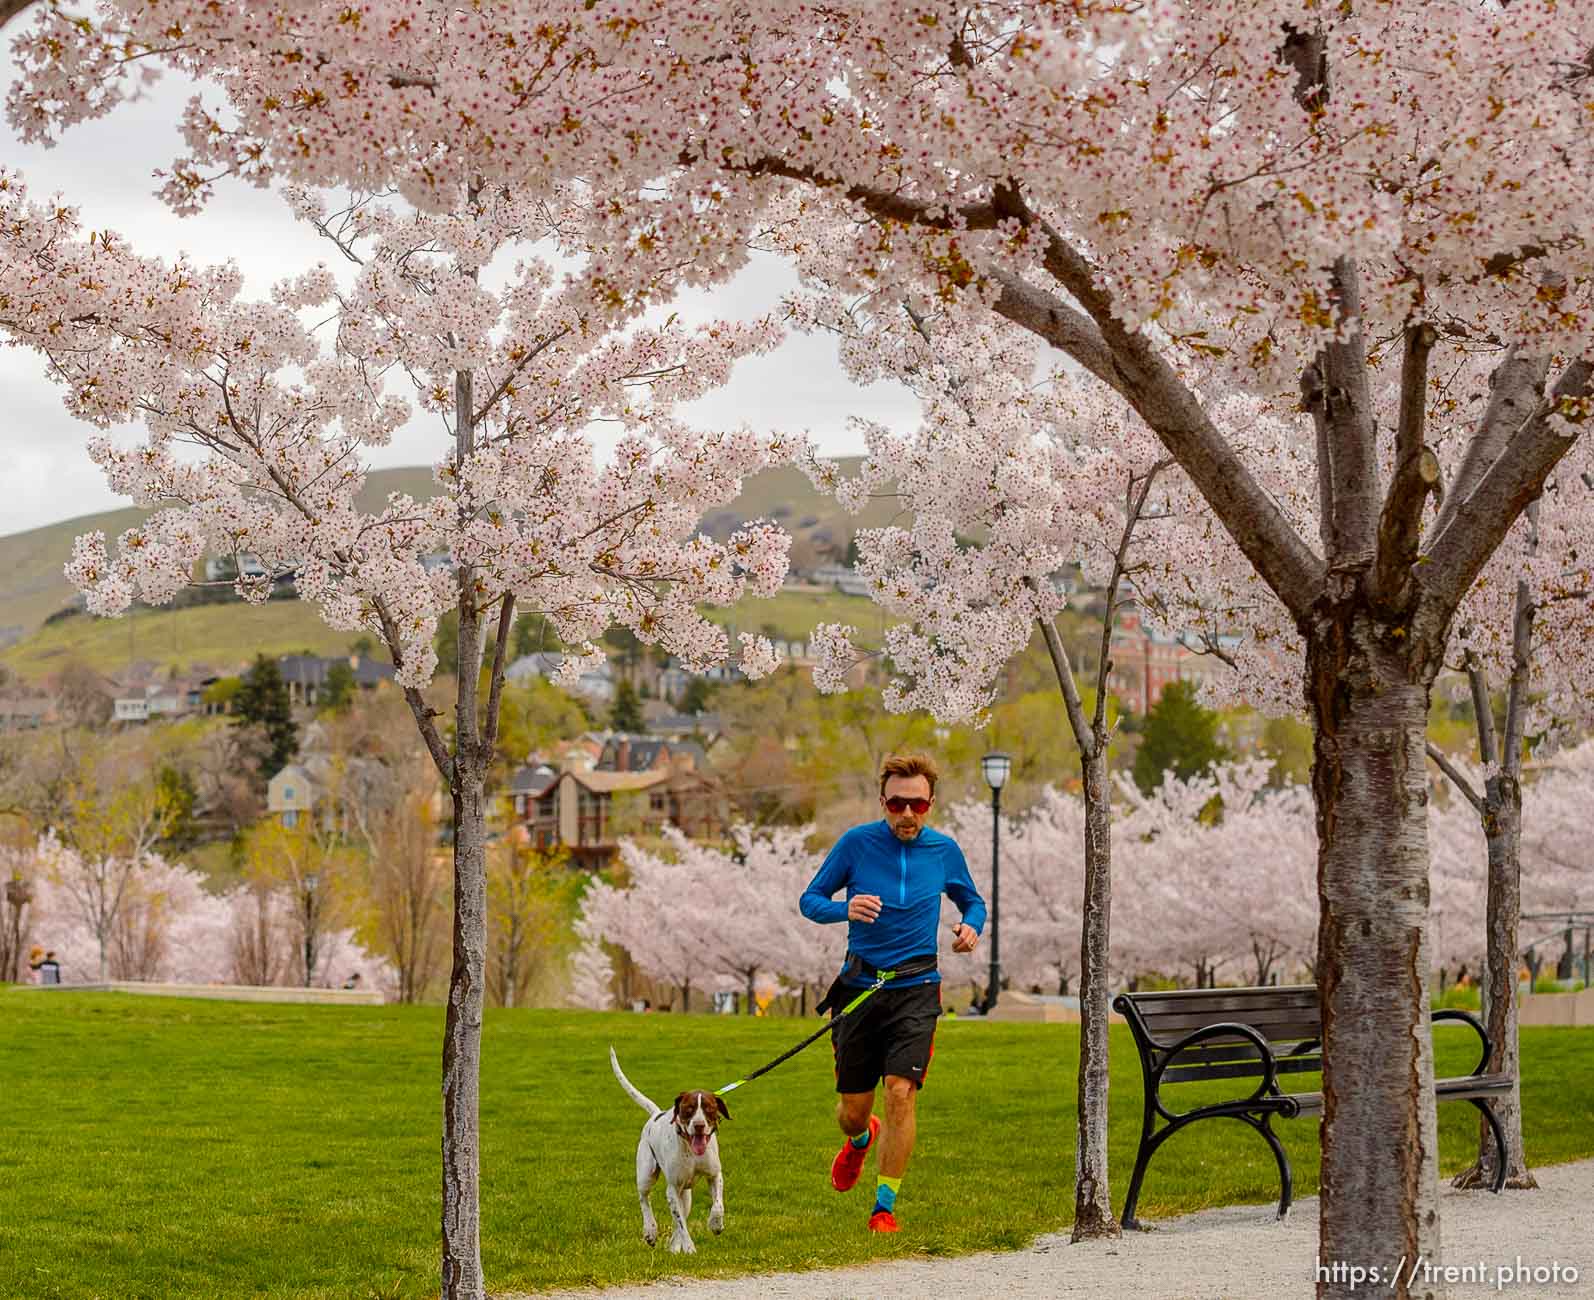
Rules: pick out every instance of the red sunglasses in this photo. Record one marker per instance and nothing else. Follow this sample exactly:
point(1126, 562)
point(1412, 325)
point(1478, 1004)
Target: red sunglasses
point(898, 804)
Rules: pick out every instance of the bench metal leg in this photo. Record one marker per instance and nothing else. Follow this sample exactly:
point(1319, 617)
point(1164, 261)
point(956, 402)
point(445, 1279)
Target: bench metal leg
point(1149, 1142)
point(1286, 1176)
point(1499, 1141)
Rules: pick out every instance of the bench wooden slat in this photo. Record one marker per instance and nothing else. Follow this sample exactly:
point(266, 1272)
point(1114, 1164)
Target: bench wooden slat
point(1240, 1069)
point(1152, 1004)
point(1282, 1023)
point(1473, 1085)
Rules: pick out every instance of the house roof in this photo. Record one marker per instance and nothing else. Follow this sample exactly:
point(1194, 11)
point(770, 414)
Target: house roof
point(533, 782)
point(609, 782)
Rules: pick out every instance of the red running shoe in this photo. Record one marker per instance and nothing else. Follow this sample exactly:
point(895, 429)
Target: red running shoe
point(883, 1221)
point(848, 1164)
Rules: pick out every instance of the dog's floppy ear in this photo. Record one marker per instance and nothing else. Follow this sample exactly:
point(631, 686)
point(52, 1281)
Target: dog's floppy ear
point(720, 1102)
point(675, 1109)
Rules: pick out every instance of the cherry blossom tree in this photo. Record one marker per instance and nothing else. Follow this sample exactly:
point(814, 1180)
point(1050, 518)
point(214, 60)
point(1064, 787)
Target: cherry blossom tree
point(1526, 623)
point(170, 927)
point(1219, 871)
point(1305, 203)
point(1050, 473)
point(525, 512)
point(694, 915)
point(1042, 890)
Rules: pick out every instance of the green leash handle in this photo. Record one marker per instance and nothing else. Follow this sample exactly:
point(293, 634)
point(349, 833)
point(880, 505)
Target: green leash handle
point(880, 978)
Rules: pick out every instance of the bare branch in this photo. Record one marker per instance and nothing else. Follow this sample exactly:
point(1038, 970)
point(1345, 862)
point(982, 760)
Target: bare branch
point(1334, 390)
point(1456, 779)
point(1516, 707)
point(1083, 736)
point(1516, 478)
point(1514, 390)
point(1400, 527)
point(495, 689)
point(1136, 504)
point(1420, 340)
point(1483, 711)
point(9, 9)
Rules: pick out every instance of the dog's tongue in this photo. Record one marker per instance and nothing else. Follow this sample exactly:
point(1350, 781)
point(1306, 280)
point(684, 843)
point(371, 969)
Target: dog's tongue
point(699, 1143)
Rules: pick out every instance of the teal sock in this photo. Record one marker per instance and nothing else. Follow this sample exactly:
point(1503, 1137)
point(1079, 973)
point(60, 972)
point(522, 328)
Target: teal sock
point(861, 1141)
point(885, 1194)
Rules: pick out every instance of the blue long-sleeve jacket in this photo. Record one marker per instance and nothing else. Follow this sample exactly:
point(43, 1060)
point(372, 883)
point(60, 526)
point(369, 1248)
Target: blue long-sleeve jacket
point(909, 878)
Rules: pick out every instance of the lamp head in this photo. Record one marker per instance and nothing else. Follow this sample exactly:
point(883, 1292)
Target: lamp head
point(996, 767)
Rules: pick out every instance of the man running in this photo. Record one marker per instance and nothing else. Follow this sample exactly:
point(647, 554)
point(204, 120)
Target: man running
point(894, 872)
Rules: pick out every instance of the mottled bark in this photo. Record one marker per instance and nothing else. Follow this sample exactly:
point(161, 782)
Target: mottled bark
point(1502, 829)
point(462, 1262)
point(1093, 1216)
point(467, 984)
point(1379, 1128)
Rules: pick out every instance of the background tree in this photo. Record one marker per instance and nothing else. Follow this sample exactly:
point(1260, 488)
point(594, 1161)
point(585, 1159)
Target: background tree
point(697, 697)
point(529, 896)
point(114, 828)
point(340, 688)
point(1180, 736)
point(306, 866)
point(528, 511)
point(625, 714)
point(262, 703)
point(83, 697)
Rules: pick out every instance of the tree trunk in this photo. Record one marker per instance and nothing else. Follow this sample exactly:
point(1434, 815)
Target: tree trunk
point(1379, 1128)
point(1093, 1216)
point(1502, 828)
point(462, 1036)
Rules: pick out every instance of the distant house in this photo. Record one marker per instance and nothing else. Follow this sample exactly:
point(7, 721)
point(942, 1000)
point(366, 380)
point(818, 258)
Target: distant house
point(22, 712)
point(843, 577)
point(587, 812)
point(624, 752)
point(703, 729)
point(142, 701)
point(316, 786)
point(306, 675)
point(596, 683)
point(223, 568)
point(1146, 659)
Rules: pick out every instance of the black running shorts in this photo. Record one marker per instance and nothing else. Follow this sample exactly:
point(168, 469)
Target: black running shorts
point(893, 1032)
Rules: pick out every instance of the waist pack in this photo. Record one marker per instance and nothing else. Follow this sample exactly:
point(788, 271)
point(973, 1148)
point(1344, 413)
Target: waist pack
point(858, 971)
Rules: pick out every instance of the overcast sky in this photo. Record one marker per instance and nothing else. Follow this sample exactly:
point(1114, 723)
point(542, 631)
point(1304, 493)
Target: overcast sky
point(105, 169)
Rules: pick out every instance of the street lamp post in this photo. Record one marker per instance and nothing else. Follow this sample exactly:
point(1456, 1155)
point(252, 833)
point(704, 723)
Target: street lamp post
point(996, 767)
point(310, 883)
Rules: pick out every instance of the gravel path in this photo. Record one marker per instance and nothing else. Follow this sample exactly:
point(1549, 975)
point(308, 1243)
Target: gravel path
point(1234, 1253)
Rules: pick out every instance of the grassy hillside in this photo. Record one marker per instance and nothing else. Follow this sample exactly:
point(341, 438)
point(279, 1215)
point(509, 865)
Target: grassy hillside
point(221, 636)
point(32, 586)
point(820, 528)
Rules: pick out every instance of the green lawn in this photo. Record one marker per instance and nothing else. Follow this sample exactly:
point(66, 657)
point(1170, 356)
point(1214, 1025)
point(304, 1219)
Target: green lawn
point(156, 1148)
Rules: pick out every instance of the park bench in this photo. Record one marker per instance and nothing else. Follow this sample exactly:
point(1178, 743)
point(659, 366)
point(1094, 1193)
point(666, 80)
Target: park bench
point(1187, 1035)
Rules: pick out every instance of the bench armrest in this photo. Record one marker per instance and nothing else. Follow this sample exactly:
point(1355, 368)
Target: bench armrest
point(1453, 1013)
point(1268, 1085)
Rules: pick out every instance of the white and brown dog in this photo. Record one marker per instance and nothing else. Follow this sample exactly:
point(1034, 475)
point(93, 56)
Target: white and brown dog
point(681, 1144)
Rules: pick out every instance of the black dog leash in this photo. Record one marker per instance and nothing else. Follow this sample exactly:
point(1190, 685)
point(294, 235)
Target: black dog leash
point(880, 978)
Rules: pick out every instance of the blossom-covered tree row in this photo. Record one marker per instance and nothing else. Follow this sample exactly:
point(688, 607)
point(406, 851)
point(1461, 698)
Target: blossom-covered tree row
point(1216, 884)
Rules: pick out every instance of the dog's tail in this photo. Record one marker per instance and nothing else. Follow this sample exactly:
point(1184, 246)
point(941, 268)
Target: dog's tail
point(644, 1102)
